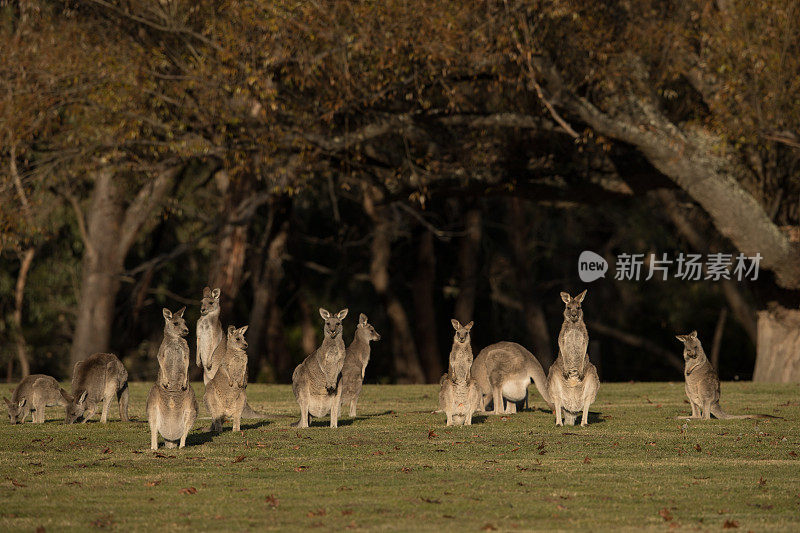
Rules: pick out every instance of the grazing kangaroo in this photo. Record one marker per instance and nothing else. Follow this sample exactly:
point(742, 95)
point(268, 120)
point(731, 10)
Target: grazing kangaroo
point(355, 362)
point(171, 404)
point(503, 371)
point(225, 393)
point(32, 395)
point(702, 383)
point(572, 381)
point(459, 395)
point(316, 382)
point(209, 334)
point(101, 377)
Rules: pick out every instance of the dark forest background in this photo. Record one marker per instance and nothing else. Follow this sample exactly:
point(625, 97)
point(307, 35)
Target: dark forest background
point(413, 161)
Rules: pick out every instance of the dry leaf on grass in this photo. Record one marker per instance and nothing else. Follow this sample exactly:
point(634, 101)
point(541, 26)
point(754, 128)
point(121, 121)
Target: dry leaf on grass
point(188, 490)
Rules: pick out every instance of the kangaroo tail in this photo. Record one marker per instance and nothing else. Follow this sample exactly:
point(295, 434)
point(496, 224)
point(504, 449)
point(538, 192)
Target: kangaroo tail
point(717, 411)
point(249, 412)
point(540, 380)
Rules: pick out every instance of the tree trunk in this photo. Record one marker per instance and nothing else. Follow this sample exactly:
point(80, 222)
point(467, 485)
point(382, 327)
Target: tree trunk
point(100, 268)
point(406, 361)
point(469, 249)
point(267, 274)
point(534, 314)
point(778, 348)
point(308, 326)
point(425, 310)
point(108, 235)
point(19, 292)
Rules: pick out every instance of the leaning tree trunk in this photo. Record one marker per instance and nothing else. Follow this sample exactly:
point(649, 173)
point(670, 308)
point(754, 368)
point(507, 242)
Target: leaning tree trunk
point(535, 319)
point(425, 310)
point(406, 361)
point(108, 234)
point(19, 292)
point(778, 348)
point(469, 248)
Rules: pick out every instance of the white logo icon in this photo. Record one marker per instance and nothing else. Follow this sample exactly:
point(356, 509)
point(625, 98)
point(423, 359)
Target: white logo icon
point(591, 266)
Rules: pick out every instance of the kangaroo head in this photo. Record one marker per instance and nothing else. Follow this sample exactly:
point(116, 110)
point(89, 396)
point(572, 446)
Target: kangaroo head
point(691, 345)
point(236, 337)
point(365, 328)
point(75, 408)
point(462, 332)
point(572, 307)
point(174, 324)
point(210, 301)
point(333, 323)
point(14, 408)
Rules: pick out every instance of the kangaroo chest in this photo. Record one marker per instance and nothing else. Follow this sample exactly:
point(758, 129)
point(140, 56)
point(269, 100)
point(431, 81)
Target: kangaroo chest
point(208, 336)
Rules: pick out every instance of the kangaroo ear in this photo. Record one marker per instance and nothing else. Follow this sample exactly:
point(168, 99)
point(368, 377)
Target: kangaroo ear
point(324, 314)
point(167, 313)
point(82, 397)
point(243, 329)
point(681, 338)
point(566, 297)
point(179, 312)
point(22, 402)
point(456, 323)
point(693, 334)
point(231, 329)
point(469, 326)
point(215, 294)
point(362, 319)
point(206, 292)
point(579, 298)
point(341, 314)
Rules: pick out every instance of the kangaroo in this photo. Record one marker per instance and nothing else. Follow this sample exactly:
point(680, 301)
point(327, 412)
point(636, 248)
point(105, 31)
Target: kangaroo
point(316, 382)
point(171, 403)
point(101, 377)
point(32, 395)
point(225, 394)
point(459, 395)
point(572, 381)
point(210, 336)
point(503, 371)
point(355, 362)
point(173, 354)
point(702, 383)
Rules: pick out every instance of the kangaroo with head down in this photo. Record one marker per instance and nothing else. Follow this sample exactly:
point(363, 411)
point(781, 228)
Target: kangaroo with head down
point(225, 393)
point(355, 362)
point(316, 382)
point(171, 404)
point(572, 381)
point(504, 371)
point(459, 395)
point(32, 395)
point(101, 377)
point(702, 382)
point(209, 334)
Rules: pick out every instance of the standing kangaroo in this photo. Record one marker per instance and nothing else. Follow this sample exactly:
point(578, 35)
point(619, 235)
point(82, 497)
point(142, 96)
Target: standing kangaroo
point(171, 404)
point(101, 377)
point(32, 395)
point(210, 336)
point(225, 393)
point(572, 381)
point(211, 343)
point(702, 383)
point(355, 362)
point(503, 372)
point(459, 395)
point(316, 382)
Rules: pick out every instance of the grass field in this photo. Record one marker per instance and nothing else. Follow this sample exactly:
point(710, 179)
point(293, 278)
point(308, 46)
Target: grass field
point(397, 467)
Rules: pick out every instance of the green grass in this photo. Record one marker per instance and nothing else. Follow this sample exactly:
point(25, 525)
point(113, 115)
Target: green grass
point(397, 467)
